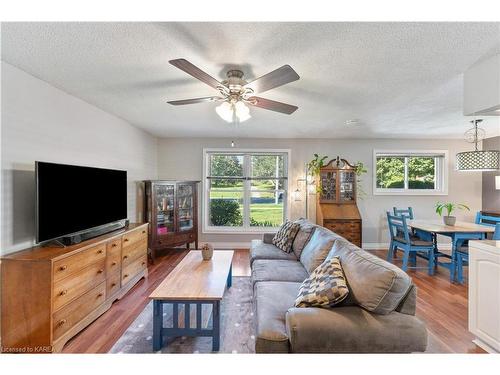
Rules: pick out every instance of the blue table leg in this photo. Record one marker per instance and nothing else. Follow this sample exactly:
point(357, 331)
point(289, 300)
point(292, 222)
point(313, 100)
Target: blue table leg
point(157, 324)
point(216, 326)
point(230, 277)
point(453, 264)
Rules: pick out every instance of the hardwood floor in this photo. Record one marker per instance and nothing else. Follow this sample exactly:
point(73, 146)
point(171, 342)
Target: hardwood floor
point(100, 336)
point(441, 305)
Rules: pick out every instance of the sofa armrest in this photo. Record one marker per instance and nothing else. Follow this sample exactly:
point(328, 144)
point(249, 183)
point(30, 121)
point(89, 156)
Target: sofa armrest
point(351, 329)
point(409, 302)
point(268, 237)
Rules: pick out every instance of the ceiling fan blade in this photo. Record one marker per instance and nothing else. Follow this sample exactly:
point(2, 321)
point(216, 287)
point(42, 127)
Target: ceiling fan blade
point(196, 100)
point(196, 72)
point(272, 105)
point(276, 78)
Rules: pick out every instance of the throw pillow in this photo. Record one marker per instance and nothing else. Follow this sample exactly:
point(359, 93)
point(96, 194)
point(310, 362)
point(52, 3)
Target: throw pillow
point(325, 287)
point(283, 239)
point(303, 236)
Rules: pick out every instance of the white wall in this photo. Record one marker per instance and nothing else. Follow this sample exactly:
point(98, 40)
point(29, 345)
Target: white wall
point(181, 158)
point(41, 122)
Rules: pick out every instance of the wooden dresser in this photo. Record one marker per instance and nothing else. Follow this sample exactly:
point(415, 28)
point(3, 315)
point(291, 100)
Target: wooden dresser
point(49, 294)
point(336, 207)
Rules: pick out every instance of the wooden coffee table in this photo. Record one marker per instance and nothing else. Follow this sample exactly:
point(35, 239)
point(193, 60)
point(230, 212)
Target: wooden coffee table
point(193, 281)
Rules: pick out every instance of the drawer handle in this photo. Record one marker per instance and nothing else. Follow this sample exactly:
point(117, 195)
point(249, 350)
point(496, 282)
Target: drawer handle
point(100, 271)
point(143, 232)
point(62, 268)
point(99, 251)
point(125, 257)
point(113, 285)
point(113, 264)
point(100, 295)
point(124, 276)
point(114, 245)
point(63, 292)
point(143, 263)
point(125, 240)
point(61, 322)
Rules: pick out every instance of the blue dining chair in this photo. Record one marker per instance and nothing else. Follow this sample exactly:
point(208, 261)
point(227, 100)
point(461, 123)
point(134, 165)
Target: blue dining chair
point(408, 243)
point(462, 253)
point(408, 213)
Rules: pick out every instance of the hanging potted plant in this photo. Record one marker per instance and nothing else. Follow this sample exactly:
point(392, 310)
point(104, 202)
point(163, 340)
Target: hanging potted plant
point(449, 207)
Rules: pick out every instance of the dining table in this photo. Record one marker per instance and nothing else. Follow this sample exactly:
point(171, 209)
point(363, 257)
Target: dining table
point(459, 233)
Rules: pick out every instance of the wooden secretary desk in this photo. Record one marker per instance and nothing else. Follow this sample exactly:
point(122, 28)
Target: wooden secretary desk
point(171, 208)
point(336, 207)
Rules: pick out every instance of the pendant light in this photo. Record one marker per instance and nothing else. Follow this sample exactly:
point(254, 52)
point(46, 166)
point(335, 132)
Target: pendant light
point(477, 160)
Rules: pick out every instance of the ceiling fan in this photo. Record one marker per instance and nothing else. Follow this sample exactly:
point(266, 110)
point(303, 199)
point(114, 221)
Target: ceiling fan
point(235, 92)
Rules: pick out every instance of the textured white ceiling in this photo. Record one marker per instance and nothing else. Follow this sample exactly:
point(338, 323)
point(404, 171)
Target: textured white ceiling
point(399, 79)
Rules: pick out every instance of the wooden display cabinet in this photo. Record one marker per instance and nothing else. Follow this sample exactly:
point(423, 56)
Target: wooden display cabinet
point(336, 207)
point(172, 212)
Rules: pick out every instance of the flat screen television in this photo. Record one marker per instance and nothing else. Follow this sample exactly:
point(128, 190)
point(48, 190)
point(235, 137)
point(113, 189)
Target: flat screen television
point(73, 200)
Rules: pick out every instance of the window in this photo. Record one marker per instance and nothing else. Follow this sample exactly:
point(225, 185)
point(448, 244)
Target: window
point(244, 190)
point(410, 172)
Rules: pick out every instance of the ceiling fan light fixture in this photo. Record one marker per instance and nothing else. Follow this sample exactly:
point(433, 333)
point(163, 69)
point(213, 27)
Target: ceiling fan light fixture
point(242, 111)
point(231, 112)
point(225, 111)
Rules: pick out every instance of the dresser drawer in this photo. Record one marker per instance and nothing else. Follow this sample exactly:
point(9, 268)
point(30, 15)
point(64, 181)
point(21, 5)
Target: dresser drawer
point(77, 262)
point(73, 313)
point(113, 256)
point(132, 238)
point(112, 284)
point(67, 289)
point(134, 268)
point(131, 253)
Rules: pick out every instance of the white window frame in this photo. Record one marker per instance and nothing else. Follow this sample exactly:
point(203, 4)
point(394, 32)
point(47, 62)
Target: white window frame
point(206, 227)
point(441, 172)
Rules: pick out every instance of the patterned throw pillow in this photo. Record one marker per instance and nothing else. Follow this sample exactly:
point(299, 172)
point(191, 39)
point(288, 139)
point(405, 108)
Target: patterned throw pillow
point(283, 239)
point(325, 287)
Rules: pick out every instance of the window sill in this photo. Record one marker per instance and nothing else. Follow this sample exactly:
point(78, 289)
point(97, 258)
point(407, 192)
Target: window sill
point(240, 231)
point(430, 193)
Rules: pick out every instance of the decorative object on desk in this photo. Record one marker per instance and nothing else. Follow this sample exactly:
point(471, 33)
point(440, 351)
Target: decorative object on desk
point(477, 160)
point(314, 167)
point(360, 171)
point(450, 207)
point(207, 251)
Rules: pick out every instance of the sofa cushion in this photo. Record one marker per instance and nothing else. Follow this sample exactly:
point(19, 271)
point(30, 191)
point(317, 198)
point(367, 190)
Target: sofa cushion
point(278, 270)
point(317, 249)
point(271, 301)
point(325, 287)
point(351, 329)
point(303, 236)
point(374, 284)
point(261, 250)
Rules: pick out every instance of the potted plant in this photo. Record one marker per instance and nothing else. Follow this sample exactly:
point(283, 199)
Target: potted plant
point(314, 166)
point(449, 207)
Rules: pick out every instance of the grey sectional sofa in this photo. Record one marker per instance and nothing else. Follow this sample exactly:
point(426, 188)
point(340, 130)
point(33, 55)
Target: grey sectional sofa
point(377, 317)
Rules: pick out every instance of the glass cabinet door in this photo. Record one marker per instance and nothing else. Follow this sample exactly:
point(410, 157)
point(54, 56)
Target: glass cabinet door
point(164, 198)
point(328, 186)
point(347, 179)
point(185, 202)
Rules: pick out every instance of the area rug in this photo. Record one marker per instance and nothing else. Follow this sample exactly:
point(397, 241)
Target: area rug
point(237, 327)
